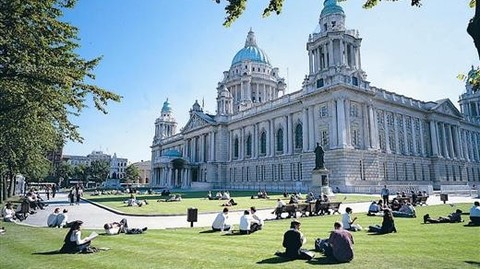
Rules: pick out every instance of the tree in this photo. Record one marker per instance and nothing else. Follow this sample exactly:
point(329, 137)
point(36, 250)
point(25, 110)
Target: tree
point(43, 82)
point(132, 173)
point(99, 170)
point(81, 172)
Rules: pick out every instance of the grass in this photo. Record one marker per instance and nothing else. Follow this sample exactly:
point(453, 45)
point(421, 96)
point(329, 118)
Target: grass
point(197, 199)
point(416, 245)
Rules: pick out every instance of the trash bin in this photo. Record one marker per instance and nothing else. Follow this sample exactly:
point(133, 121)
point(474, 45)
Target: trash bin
point(444, 197)
point(192, 215)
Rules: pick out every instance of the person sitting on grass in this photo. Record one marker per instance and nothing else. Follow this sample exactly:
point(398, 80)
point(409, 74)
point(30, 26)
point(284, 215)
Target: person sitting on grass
point(452, 218)
point(62, 220)
point(231, 202)
point(293, 240)
point(256, 218)
point(221, 221)
point(373, 209)
point(406, 211)
point(339, 245)
point(52, 218)
point(174, 198)
point(388, 224)
point(8, 213)
point(114, 228)
point(247, 224)
point(348, 222)
point(475, 214)
point(73, 242)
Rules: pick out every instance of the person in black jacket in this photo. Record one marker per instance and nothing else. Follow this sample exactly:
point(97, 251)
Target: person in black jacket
point(388, 224)
point(293, 240)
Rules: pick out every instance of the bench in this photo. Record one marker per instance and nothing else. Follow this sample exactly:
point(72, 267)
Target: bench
point(421, 200)
point(291, 209)
point(334, 206)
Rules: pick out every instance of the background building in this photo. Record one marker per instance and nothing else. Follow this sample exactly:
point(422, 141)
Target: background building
point(260, 138)
point(145, 168)
point(117, 165)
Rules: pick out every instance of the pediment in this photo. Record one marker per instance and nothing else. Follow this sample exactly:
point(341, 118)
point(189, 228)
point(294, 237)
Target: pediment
point(195, 122)
point(446, 106)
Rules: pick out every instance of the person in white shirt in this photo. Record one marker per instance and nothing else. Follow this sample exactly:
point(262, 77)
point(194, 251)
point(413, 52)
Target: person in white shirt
point(245, 222)
point(52, 218)
point(73, 242)
point(257, 223)
point(279, 209)
point(8, 213)
point(221, 221)
point(475, 214)
point(62, 219)
point(348, 222)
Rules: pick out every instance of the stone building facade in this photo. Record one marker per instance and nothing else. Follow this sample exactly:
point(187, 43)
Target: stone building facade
point(261, 138)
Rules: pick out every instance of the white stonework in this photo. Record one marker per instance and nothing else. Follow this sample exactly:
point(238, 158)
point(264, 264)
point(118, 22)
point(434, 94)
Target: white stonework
point(117, 165)
point(261, 139)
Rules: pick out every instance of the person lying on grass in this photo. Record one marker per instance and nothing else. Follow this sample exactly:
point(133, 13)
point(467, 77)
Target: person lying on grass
point(114, 228)
point(452, 218)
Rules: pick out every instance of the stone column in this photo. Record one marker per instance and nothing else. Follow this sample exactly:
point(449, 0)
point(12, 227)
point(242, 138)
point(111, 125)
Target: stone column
point(291, 134)
point(272, 138)
point(348, 132)
point(310, 62)
point(414, 136)
point(387, 131)
point(405, 137)
point(230, 146)
point(305, 129)
point(444, 144)
point(422, 145)
point(332, 112)
point(450, 139)
point(311, 128)
point(342, 131)
point(433, 138)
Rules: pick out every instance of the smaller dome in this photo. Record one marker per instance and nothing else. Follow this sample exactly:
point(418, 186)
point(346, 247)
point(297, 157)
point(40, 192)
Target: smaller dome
point(330, 7)
point(166, 107)
point(172, 153)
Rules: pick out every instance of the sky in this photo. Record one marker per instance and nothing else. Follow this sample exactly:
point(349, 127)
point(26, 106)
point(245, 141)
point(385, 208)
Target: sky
point(158, 49)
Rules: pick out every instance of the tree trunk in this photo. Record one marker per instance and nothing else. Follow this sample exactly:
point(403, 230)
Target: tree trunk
point(12, 183)
point(3, 188)
point(473, 28)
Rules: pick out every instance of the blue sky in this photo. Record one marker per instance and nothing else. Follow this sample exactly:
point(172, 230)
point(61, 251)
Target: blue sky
point(158, 49)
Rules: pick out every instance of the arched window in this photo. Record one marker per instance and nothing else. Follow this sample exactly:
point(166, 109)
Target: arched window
point(235, 148)
point(249, 145)
point(280, 140)
point(263, 143)
point(298, 136)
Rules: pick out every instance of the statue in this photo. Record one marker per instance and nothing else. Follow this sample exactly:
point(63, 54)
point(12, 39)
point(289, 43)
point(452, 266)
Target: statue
point(319, 161)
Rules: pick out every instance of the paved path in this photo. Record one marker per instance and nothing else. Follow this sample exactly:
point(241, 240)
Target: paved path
point(94, 217)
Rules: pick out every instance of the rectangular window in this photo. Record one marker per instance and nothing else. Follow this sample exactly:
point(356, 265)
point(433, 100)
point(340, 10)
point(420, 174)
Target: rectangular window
point(320, 83)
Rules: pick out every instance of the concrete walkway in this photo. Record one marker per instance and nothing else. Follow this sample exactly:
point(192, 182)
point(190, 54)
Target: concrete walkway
point(94, 217)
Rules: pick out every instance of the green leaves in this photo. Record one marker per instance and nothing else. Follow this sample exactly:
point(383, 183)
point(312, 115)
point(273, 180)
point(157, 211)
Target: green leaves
point(43, 83)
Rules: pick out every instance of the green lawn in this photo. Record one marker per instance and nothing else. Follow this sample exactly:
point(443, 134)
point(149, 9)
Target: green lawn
point(416, 245)
point(197, 199)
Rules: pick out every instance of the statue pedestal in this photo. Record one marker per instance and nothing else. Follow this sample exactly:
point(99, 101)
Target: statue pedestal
point(320, 182)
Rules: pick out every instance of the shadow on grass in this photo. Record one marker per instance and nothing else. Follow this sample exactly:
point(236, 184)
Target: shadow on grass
point(473, 263)
point(322, 260)
point(53, 252)
point(274, 260)
point(208, 232)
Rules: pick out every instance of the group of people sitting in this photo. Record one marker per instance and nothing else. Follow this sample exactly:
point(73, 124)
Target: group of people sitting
point(250, 222)
point(260, 195)
point(310, 198)
point(29, 205)
point(74, 243)
point(58, 219)
point(339, 245)
point(399, 208)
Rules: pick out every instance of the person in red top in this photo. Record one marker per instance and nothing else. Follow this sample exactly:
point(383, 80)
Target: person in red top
point(339, 245)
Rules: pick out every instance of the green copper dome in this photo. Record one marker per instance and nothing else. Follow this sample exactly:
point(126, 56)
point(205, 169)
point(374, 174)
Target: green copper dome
point(330, 7)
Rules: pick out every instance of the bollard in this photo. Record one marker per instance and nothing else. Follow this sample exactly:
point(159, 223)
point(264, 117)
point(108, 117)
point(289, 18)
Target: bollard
point(192, 215)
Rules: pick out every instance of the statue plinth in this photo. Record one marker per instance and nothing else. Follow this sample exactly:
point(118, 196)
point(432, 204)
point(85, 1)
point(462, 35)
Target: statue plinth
point(320, 181)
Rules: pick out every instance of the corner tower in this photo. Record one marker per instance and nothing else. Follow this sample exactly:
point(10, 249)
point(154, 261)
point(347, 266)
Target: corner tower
point(333, 51)
point(470, 100)
point(165, 125)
